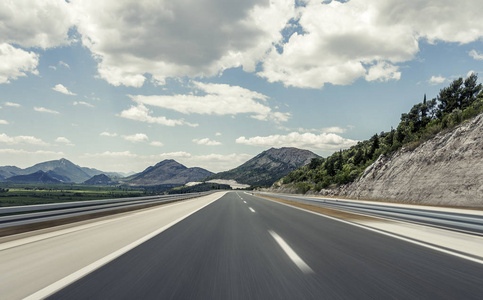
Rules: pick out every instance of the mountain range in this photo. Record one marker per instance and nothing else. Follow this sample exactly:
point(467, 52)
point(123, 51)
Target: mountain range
point(268, 166)
point(167, 172)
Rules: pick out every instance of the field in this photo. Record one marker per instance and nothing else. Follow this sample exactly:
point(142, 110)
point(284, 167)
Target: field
point(24, 194)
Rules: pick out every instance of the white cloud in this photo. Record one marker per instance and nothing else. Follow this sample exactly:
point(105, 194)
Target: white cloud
point(142, 113)
point(434, 80)
point(175, 39)
point(83, 103)
point(43, 24)
point(476, 55)
point(218, 99)
point(12, 104)
point(324, 141)
point(339, 42)
point(105, 133)
point(46, 110)
point(64, 64)
point(23, 158)
point(119, 154)
point(218, 134)
point(21, 139)
point(16, 63)
point(3, 122)
point(63, 140)
point(156, 144)
point(206, 141)
point(62, 89)
point(136, 138)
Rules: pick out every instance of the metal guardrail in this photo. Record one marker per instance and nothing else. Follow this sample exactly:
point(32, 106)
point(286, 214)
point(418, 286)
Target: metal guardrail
point(28, 215)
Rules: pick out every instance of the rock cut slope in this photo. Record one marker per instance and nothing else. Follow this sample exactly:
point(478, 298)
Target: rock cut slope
point(445, 170)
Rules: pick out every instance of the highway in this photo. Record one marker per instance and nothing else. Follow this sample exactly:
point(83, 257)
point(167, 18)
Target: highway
point(236, 246)
point(454, 219)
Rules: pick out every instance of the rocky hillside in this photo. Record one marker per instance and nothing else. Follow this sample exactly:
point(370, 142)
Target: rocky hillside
point(167, 172)
point(445, 170)
point(268, 166)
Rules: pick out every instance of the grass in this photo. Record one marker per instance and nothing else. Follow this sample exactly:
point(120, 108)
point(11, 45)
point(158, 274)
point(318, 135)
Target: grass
point(42, 194)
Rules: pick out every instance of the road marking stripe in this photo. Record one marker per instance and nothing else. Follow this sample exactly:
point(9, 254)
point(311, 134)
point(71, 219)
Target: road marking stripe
point(252, 209)
point(60, 284)
point(244, 202)
point(291, 254)
point(43, 236)
point(467, 257)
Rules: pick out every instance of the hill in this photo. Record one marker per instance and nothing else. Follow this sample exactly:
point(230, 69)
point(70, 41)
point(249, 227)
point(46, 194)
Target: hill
point(420, 161)
point(167, 172)
point(101, 179)
point(37, 177)
point(62, 170)
point(268, 166)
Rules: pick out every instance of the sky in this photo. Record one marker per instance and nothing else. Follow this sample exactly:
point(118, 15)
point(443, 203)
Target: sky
point(120, 85)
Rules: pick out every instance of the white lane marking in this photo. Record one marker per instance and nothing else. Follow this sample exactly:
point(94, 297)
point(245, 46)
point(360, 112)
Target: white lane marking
point(60, 284)
point(467, 257)
point(36, 238)
point(291, 254)
point(244, 202)
point(252, 210)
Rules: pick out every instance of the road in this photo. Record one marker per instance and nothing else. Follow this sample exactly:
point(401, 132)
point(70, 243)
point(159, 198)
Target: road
point(460, 220)
point(246, 247)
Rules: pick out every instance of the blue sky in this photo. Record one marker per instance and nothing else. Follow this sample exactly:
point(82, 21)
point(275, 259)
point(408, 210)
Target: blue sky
point(121, 85)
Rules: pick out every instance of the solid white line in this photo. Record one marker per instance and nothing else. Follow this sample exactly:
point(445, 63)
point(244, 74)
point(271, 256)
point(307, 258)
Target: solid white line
point(60, 284)
point(40, 237)
point(252, 209)
point(291, 254)
point(467, 257)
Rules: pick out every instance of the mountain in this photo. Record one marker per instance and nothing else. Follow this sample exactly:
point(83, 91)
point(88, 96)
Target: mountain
point(268, 166)
point(62, 170)
point(167, 172)
point(37, 177)
point(101, 179)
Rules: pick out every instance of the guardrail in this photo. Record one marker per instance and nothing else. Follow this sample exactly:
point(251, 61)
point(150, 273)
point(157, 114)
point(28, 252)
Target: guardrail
point(19, 219)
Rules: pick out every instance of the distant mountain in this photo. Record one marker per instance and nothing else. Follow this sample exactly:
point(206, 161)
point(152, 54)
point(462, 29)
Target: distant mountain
point(37, 177)
point(62, 170)
point(101, 179)
point(268, 166)
point(167, 172)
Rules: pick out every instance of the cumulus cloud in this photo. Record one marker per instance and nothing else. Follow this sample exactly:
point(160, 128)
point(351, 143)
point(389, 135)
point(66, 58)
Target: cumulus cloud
point(324, 141)
point(12, 104)
point(21, 139)
point(63, 140)
point(83, 103)
point(3, 122)
point(206, 142)
point(46, 110)
point(16, 63)
point(217, 99)
point(64, 64)
point(43, 24)
point(136, 138)
point(174, 39)
point(473, 53)
point(434, 80)
point(339, 42)
point(105, 133)
point(62, 89)
point(142, 114)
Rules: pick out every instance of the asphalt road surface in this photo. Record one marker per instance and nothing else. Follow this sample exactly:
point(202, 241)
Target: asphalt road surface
point(245, 247)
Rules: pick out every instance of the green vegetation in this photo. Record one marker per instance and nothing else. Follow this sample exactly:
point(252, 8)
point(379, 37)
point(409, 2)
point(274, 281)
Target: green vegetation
point(203, 187)
point(29, 194)
point(460, 101)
